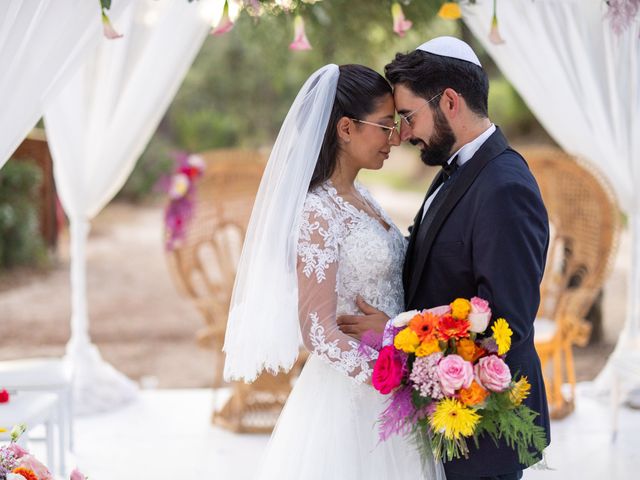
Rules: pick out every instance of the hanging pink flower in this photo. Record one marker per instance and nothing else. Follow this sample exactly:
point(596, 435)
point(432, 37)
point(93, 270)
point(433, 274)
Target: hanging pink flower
point(494, 34)
point(400, 24)
point(107, 28)
point(300, 41)
point(225, 24)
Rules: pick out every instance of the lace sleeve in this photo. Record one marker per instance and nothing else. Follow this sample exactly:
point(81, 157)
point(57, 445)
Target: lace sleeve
point(318, 249)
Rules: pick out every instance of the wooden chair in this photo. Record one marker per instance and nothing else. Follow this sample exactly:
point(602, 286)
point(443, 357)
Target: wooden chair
point(204, 267)
point(584, 223)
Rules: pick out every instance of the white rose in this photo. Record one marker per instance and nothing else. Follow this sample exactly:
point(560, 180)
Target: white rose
point(479, 321)
point(403, 319)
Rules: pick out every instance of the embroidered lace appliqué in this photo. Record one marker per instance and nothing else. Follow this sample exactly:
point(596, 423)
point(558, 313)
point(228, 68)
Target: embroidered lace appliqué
point(369, 262)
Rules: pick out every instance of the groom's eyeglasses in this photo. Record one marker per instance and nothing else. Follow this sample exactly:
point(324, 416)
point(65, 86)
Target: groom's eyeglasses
point(407, 118)
point(384, 127)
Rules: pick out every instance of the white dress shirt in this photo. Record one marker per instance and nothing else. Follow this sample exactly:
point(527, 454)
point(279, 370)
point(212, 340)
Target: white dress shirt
point(464, 154)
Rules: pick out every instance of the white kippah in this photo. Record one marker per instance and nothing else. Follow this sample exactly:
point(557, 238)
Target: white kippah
point(450, 47)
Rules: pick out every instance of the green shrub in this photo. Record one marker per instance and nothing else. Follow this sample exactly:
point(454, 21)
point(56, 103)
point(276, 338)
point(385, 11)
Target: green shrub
point(21, 242)
point(154, 163)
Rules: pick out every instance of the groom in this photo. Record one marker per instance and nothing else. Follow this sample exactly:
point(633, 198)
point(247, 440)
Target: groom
point(482, 229)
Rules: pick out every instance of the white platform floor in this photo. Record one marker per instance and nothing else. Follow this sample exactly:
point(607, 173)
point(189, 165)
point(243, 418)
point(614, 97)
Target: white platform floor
point(166, 435)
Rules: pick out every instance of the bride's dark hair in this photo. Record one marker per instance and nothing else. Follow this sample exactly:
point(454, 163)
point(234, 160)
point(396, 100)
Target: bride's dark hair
point(358, 93)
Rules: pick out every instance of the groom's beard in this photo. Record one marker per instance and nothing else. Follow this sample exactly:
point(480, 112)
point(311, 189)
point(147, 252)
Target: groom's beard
point(438, 150)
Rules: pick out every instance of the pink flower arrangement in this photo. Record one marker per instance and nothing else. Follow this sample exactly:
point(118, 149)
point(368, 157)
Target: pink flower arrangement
point(181, 188)
point(16, 463)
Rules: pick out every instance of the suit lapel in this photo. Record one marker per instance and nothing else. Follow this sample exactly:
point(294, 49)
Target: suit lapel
point(406, 271)
point(491, 148)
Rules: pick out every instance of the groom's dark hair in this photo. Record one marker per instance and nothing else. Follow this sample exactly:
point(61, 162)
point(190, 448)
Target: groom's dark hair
point(358, 93)
point(427, 75)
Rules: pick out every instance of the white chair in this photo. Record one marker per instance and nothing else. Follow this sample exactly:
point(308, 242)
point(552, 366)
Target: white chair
point(32, 409)
point(45, 375)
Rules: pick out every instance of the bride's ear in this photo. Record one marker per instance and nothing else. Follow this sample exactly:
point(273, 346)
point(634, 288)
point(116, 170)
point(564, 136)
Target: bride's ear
point(345, 129)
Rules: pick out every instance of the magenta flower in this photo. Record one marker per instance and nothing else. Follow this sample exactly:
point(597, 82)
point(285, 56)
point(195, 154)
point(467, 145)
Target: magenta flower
point(225, 24)
point(300, 40)
point(107, 28)
point(400, 24)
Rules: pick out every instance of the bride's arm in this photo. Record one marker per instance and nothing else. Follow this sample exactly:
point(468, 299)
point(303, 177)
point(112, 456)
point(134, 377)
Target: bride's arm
point(317, 297)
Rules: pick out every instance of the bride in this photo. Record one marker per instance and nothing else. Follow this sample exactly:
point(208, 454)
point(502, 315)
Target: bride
point(316, 241)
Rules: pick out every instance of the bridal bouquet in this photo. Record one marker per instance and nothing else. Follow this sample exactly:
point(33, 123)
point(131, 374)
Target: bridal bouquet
point(449, 383)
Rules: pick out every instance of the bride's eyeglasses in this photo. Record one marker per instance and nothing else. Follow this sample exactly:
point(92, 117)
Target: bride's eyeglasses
point(407, 118)
point(392, 129)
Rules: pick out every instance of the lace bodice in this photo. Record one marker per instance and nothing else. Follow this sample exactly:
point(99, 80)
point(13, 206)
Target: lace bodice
point(344, 252)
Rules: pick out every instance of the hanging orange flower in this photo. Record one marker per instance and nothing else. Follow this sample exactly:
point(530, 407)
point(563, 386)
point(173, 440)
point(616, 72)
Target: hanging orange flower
point(450, 11)
point(424, 325)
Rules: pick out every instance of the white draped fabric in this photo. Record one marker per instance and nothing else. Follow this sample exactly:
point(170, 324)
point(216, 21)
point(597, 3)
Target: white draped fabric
point(97, 128)
point(41, 43)
point(581, 80)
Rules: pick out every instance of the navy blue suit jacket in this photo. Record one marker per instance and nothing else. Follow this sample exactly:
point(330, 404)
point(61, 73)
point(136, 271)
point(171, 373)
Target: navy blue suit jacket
point(489, 238)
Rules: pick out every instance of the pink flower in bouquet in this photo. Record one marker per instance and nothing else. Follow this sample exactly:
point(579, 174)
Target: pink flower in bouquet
point(480, 315)
point(17, 450)
point(32, 463)
point(454, 373)
point(77, 475)
point(387, 372)
point(493, 373)
point(440, 311)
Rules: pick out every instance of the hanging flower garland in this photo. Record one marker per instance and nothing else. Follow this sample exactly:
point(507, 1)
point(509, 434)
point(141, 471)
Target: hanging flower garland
point(620, 13)
point(181, 189)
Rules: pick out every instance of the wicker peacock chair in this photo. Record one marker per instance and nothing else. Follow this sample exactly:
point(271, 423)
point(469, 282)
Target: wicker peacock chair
point(584, 222)
point(203, 265)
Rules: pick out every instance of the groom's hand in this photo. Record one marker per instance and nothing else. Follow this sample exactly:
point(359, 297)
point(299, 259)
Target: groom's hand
point(371, 320)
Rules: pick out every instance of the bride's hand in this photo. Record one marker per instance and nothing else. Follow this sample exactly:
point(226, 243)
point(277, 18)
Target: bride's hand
point(356, 325)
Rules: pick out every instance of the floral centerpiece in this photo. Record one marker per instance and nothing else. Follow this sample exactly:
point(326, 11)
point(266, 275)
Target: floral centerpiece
point(16, 463)
point(449, 382)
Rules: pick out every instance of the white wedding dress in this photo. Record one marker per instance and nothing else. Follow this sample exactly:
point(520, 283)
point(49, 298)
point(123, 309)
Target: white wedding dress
point(328, 428)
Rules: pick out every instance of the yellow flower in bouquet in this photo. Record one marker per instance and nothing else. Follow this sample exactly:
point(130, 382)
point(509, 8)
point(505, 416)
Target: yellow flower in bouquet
point(406, 340)
point(460, 308)
point(520, 391)
point(428, 347)
point(502, 335)
point(453, 419)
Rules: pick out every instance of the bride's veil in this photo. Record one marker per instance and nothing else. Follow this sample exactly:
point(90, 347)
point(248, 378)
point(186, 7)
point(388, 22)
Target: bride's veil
point(263, 331)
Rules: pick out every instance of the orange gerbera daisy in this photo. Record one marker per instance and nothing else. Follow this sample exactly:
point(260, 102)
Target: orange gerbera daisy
point(424, 325)
point(27, 473)
point(450, 327)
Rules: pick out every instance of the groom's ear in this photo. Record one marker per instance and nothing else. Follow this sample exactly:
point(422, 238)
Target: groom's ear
point(344, 127)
